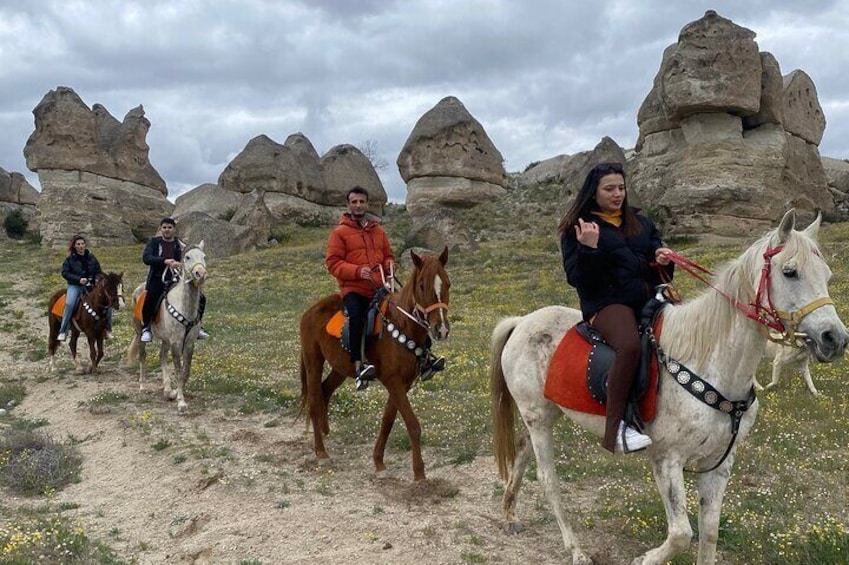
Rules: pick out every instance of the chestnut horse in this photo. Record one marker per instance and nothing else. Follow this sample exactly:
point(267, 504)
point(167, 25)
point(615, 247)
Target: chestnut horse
point(89, 317)
point(418, 312)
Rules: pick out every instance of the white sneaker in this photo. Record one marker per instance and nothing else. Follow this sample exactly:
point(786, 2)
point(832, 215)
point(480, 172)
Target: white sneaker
point(62, 336)
point(107, 335)
point(146, 336)
point(203, 334)
point(629, 440)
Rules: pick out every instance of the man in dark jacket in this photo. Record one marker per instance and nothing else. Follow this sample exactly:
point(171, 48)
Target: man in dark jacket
point(162, 253)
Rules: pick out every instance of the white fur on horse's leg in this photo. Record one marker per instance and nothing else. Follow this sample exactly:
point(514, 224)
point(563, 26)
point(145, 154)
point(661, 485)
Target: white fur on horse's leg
point(512, 525)
point(50, 364)
point(711, 492)
point(777, 365)
point(540, 432)
point(669, 478)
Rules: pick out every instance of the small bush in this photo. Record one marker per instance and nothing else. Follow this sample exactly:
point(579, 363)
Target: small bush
point(51, 540)
point(33, 463)
point(15, 224)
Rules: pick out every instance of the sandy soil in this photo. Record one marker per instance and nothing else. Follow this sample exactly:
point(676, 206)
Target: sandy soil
point(230, 489)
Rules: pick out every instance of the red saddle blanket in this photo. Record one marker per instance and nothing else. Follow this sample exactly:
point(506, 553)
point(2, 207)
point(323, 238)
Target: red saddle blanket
point(566, 383)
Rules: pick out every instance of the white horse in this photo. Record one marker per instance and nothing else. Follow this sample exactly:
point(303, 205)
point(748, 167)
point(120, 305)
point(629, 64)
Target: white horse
point(709, 337)
point(176, 325)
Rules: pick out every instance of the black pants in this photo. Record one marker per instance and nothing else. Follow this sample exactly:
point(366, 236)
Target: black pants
point(618, 325)
point(357, 307)
point(151, 301)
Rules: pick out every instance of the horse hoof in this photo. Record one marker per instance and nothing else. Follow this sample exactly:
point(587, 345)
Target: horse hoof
point(182, 408)
point(171, 395)
point(513, 528)
point(320, 455)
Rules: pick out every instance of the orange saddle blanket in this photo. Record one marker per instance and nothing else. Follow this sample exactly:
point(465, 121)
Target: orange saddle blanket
point(137, 311)
point(59, 306)
point(335, 324)
point(566, 383)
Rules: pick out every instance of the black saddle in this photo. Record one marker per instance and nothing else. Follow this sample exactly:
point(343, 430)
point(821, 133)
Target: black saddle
point(602, 355)
point(371, 319)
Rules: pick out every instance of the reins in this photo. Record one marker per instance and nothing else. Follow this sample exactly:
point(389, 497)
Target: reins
point(783, 324)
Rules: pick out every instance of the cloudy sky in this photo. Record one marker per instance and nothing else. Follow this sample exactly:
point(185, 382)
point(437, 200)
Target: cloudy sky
point(544, 77)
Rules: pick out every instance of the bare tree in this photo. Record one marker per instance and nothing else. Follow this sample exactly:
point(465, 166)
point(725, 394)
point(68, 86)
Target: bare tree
point(369, 149)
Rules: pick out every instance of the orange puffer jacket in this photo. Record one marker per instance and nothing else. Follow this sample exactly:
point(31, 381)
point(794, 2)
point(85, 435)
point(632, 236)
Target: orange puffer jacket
point(351, 247)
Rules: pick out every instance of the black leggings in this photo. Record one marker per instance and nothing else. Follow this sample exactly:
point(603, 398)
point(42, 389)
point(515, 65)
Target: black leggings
point(357, 307)
point(617, 323)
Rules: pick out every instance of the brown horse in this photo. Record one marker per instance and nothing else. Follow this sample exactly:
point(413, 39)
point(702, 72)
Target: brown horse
point(417, 313)
point(89, 318)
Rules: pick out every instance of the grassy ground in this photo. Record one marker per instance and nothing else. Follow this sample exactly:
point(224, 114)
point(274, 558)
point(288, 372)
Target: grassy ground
point(787, 500)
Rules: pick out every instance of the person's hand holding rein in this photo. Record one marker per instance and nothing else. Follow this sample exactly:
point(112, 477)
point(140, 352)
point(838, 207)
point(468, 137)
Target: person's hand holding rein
point(173, 264)
point(661, 256)
point(365, 273)
point(587, 233)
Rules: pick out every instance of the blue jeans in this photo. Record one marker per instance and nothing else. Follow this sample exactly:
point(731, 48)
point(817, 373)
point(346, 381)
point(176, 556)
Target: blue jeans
point(71, 299)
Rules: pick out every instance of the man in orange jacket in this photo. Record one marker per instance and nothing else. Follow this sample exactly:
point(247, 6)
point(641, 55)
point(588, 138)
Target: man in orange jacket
point(356, 251)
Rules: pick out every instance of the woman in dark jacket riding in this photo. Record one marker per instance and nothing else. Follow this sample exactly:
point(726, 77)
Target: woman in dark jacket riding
point(79, 269)
point(609, 252)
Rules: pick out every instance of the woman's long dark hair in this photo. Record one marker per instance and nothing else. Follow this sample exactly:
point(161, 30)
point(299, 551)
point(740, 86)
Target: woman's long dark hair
point(74, 241)
point(584, 202)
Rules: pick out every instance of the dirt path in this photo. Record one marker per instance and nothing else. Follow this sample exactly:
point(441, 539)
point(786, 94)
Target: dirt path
point(215, 486)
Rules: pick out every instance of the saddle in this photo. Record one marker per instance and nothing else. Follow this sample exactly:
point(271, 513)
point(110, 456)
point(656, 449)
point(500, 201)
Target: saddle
point(337, 326)
point(577, 375)
point(137, 311)
point(59, 306)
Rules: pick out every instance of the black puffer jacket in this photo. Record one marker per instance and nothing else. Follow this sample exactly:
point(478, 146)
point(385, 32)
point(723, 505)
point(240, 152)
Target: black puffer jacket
point(617, 271)
point(78, 266)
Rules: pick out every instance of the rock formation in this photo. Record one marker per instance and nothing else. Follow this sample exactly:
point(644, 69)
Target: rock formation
point(16, 195)
point(297, 185)
point(448, 162)
point(726, 144)
point(94, 171)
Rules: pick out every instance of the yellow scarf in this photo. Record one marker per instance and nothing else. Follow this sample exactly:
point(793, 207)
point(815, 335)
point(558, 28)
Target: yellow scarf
point(614, 218)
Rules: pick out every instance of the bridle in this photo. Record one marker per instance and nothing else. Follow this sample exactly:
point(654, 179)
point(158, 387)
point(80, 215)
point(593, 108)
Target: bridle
point(778, 326)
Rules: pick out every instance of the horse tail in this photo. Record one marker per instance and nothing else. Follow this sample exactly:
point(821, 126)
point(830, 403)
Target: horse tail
point(503, 405)
point(132, 355)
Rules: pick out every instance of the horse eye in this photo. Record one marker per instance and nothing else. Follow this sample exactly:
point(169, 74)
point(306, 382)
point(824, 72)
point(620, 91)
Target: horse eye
point(790, 272)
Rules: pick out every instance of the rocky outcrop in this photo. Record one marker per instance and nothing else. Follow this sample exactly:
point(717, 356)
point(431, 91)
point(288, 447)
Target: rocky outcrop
point(297, 185)
point(449, 162)
point(211, 199)
point(221, 238)
point(95, 174)
point(16, 196)
point(726, 145)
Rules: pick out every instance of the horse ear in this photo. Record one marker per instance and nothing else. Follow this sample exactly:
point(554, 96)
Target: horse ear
point(417, 261)
point(786, 225)
point(200, 245)
point(443, 257)
point(814, 228)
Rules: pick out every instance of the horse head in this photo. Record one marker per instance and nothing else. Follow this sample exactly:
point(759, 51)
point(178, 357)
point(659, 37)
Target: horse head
point(797, 281)
point(113, 285)
point(431, 288)
point(194, 265)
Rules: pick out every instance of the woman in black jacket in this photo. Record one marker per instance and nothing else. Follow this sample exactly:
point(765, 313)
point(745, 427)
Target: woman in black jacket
point(79, 269)
point(609, 252)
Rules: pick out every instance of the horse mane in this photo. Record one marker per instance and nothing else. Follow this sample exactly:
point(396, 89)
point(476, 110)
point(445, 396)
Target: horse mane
point(690, 329)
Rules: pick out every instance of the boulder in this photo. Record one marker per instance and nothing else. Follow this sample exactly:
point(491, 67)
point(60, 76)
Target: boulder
point(837, 173)
point(426, 194)
point(448, 142)
point(274, 168)
point(14, 189)
point(221, 238)
point(254, 214)
point(800, 108)
point(345, 166)
point(210, 199)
